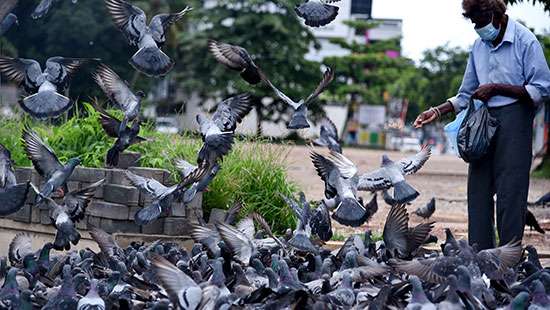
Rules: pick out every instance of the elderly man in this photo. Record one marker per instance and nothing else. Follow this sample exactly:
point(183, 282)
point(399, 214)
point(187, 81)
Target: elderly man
point(506, 70)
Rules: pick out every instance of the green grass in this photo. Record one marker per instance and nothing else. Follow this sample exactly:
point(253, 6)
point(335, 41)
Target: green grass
point(544, 171)
point(253, 171)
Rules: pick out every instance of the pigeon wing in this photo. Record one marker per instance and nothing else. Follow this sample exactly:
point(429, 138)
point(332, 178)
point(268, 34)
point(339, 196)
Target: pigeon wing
point(233, 212)
point(19, 247)
point(419, 234)
point(375, 180)
point(422, 268)
point(228, 55)
point(328, 77)
point(237, 242)
point(43, 158)
point(185, 167)
point(231, 111)
point(505, 256)
point(322, 165)
point(114, 87)
point(105, 241)
point(161, 22)
point(413, 163)
point(69, 67)
point(129, 18)
point(149, 186)
point(246, 226)
point(346, 167)
point(77, 200)
point(7, 176)
point(282, 95)
point(396, 229)
point(21, 71)
point(175, 282)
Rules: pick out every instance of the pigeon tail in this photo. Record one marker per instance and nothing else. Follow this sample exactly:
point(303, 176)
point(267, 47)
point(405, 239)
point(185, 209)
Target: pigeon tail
point(299, 119)
point(66, 234)
point(148, 214)
point(301, 242)
point(45, 104)
point(315, 14)
point(350, 213)
point(13, 198)
point(112, 157)
point(404, 193)
point(251, 75)
point(45, 192)
point(152, 61)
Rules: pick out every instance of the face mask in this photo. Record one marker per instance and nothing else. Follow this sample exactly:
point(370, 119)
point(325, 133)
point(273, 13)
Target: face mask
point(488, 33)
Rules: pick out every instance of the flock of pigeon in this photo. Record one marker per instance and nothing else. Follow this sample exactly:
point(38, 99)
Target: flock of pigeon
point(231, 265)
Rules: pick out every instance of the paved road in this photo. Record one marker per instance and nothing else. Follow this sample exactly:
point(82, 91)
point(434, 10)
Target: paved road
point(443, 177)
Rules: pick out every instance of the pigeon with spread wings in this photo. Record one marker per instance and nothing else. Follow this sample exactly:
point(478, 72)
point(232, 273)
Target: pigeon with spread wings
point(47, 165)
point(317, 13)
point(12, 195)
point(132, 21)
point(236, 58)
point(46, 88)
point(118, 92)
point(299, 116)
point(328, 136)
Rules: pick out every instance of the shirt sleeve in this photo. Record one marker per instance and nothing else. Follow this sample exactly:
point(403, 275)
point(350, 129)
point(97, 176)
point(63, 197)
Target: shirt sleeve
point(469, 84)
point(536, 72)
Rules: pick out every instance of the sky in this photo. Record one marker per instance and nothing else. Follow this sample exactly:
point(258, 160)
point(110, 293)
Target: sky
point(431, 23)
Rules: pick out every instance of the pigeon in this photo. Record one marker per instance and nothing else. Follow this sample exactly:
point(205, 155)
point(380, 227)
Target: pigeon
point(218, 131)
point(298, 119)
point(399, 239)
point(12, 194)
point(301, 235)
point(531, 221)
point(341, 185)
point(73, 210)
point(395, 172)
point(317, 13)
point(185, 169)
point(419, 300)
point(7, 23)
point(47, 165)
point(320, 222)
point(65, 298)
point(131, 20)
point(125, 137)
point(119, 93)
point(161, 195)
point(426, 211)
point(92, 300)
point(236, 58)
point(543, 200)
point(43, 7)
point(46, 88)
point(328, 136)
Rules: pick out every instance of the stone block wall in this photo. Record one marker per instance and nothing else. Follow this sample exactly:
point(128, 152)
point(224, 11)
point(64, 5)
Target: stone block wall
point(115, 203)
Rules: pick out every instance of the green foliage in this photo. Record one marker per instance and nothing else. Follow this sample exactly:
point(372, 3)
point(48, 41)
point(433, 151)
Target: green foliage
point(253, 172)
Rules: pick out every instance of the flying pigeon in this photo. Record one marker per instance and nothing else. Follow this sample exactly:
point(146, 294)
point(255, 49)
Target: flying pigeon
point(131, 20)
point(125, 137)
point(162, 196)
point(531, 221)
point(299, 116)
point(320, 222)
point(236, 58)
point(8, 22)
point(43, 7)
point(46, 88)
point(217, 132)
point(73, 210)
point(47, 165)
point(328, 136)
point(317, 13)
point(426, 211)
point(12, 195)
point(399, 239)
point(185, 169)
point(119, 93)
point(302, 234)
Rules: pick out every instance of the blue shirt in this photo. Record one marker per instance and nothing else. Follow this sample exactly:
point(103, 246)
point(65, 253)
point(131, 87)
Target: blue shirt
point(517, 60)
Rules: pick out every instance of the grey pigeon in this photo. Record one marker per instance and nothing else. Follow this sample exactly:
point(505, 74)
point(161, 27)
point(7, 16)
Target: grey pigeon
point(394, 172)
point(540, 299)
point(236, 58)
point(452, 300)
point(92, 300)
point(426, 211)
point(186, 168)
point(239, 241)
point(46, 89)
point(419, 300)
point(47, 165)
point(65, 216)
point(343, 296)
point(43, 7)
point(162, 196)
point(131, 20)
point(125, 136)
point(317, 13)
point(12, 195)
point(398, 237)
point(301, 235)
point(217, 132)
point(298, 119)
point(119, 93)
point(181, 289)
point(66, 295)
point(8, 22)
point(320, 222)
point(328, 136)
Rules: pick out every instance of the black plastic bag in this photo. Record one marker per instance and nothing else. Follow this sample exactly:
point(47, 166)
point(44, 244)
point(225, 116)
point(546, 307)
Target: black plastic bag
point(476, 132)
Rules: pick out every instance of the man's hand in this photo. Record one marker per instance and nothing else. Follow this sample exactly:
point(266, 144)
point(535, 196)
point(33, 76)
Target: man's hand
point(485, 92)
point(425, 117)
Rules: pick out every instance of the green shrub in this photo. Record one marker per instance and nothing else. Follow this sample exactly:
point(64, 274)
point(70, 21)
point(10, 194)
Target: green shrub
point(253, 171)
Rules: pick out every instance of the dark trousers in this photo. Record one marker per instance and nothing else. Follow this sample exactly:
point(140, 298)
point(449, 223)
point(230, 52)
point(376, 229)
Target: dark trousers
point(504, 171)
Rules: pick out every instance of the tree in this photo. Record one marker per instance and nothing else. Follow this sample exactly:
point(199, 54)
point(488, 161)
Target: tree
point(271, 33)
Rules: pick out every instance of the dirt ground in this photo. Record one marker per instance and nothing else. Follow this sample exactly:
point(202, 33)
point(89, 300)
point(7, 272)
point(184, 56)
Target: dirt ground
point(443, 177)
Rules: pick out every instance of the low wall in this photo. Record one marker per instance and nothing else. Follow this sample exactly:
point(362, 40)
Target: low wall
point(115, 203)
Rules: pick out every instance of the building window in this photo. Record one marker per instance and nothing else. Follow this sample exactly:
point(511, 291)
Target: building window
point(361, 7)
